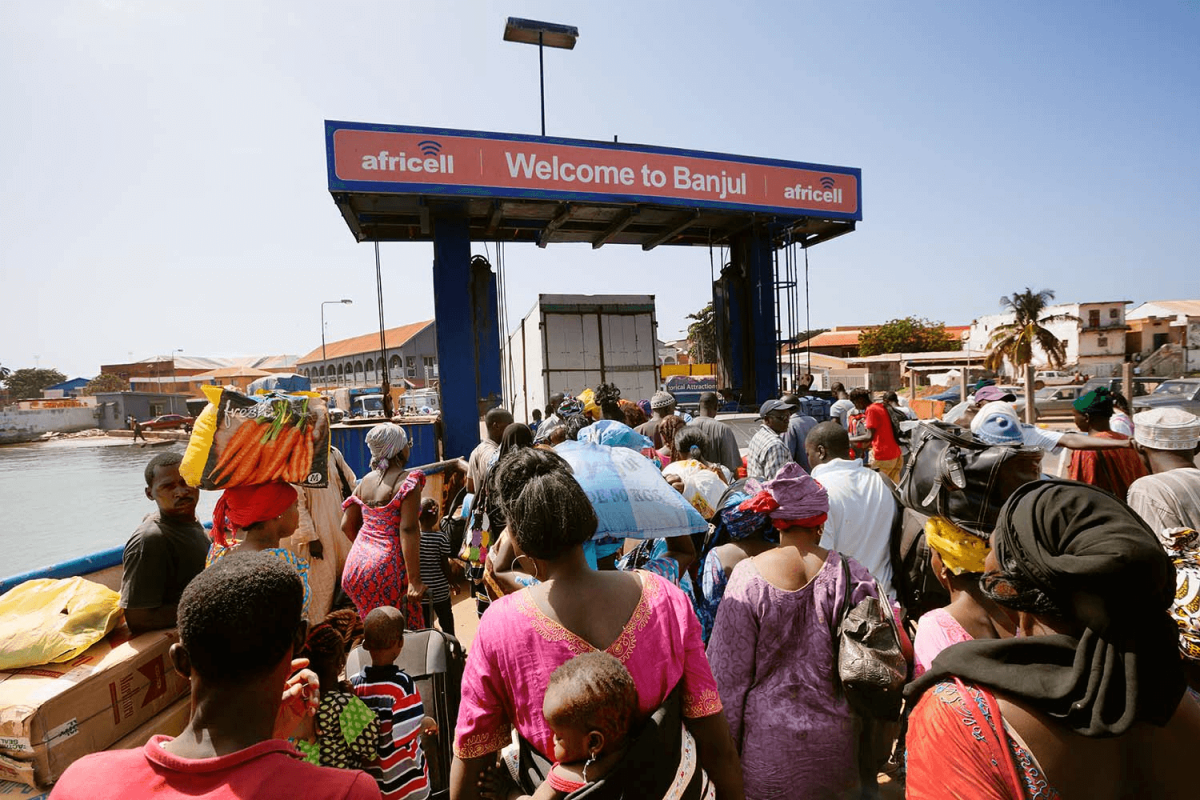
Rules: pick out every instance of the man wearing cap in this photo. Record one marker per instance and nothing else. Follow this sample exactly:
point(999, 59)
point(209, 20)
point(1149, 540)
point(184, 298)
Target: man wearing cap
point(662, 405)
point(798, 427)
point(1167, 439)
point(768, 454)
point(722, 444)
point(1111, 470)
point(885, 450)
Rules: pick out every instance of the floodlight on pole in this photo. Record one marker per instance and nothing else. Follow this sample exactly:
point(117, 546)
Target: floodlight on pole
point(344, 301)
point(543, 34)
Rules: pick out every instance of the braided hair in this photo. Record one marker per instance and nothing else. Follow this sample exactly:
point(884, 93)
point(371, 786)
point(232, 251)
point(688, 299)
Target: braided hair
point(608, 397)
point(327, 646)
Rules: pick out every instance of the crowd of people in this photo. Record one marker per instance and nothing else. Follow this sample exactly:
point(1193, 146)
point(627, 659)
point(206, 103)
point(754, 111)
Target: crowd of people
point(1065, 663)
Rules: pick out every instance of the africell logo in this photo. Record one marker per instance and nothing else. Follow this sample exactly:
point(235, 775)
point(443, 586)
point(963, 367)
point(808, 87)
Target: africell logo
point(825, 194)
point(432, 160)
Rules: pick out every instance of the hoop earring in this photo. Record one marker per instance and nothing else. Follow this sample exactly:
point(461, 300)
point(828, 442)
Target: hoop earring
point(591, 760)
point(531, 561)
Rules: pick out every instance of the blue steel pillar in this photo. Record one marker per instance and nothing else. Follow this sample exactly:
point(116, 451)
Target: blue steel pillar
point(468, 340)
point(748, 298)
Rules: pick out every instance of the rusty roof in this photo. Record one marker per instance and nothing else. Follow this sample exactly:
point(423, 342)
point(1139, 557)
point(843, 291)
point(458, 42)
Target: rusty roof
point(366, 344)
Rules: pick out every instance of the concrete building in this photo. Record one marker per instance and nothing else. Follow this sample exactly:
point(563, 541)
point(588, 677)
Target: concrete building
point(180, 374)
point(113, 407)
point(1094, 334)
point(411, 352)
point(1169, 326)
point(71, 388)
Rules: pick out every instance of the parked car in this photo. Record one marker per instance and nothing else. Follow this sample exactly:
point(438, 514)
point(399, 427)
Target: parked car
point(1141, 386)
point(1053, 400)
point(169, 422)
point(1183, 394)
point(949, 397)
point(1049, 377)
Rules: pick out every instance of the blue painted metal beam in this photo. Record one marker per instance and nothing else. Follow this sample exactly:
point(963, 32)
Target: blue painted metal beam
point(464, 300)
point(745, 303)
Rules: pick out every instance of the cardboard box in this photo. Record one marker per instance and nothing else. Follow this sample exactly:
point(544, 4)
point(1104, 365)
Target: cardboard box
point(11, 791)
point(53, 714)
point(169, 722)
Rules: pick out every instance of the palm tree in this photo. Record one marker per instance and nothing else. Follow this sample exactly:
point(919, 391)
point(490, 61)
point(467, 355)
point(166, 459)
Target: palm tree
point(1016, 341)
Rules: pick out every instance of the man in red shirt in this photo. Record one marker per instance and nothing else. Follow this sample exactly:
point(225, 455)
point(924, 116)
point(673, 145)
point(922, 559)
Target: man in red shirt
point(885, 451)
point(1111, 470)
point(239, 625)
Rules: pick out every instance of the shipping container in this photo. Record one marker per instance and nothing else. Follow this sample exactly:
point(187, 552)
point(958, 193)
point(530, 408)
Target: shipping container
point(568, 343)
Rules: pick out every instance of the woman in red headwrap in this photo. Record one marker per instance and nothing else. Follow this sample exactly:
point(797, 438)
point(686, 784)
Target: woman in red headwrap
point(255, 518)
point(774, 654)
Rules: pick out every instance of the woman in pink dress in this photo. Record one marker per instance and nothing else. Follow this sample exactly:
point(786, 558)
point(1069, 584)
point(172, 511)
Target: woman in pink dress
point(383, 567)
point(957, 558)
point(640, 618)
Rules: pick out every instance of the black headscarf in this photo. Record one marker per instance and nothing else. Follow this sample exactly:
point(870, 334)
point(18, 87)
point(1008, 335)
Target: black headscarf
point(1073, 548)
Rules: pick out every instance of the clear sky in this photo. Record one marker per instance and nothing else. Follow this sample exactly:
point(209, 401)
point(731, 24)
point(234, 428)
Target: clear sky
point(163, 184)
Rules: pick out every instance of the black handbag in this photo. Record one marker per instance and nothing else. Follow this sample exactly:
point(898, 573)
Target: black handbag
point(953, 475)
point(871, 667)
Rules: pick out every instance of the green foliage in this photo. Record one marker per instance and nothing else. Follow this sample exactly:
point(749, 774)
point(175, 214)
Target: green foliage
point(1016, 341)
point(907, 335)
point(28, 383)
point(106, 382)
point(703, 335)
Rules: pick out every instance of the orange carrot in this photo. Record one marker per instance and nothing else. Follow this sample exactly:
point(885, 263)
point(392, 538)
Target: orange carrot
point(299, 465)
point(235, 443)
point(294, 472)
point(279, 453)
point(246, 467)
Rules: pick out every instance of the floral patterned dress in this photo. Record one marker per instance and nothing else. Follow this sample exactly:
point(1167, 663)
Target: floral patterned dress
point(375, 574)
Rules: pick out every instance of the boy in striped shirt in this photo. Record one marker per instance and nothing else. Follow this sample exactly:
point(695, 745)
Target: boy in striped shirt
point(400, 770)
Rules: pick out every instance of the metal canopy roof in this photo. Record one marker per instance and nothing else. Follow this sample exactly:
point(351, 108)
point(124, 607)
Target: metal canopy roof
point(406, 217)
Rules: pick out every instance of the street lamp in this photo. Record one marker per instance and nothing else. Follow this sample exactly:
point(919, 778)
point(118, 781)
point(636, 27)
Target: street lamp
point(344, 301)
point(543, 34)
point(172, 357)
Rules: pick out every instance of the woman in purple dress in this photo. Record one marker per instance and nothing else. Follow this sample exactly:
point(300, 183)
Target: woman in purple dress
point(383, 567)
point(773, 652)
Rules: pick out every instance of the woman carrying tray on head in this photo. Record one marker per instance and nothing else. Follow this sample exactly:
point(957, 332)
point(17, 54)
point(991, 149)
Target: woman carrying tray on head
point(382, 519)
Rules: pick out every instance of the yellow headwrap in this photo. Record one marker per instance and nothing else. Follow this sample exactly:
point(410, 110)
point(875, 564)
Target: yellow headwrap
point(961, 551)
point(588, 398)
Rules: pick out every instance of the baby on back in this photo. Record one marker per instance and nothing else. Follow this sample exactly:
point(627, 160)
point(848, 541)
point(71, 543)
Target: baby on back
point(590, 706)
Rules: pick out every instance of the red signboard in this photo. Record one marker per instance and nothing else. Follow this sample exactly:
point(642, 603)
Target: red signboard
point(401, 159)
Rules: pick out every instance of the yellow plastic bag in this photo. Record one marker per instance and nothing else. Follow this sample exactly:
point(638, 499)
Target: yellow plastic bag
point(48, 621)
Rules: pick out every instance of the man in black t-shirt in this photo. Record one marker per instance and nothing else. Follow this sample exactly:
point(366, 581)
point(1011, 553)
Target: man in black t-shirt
point(165, 552)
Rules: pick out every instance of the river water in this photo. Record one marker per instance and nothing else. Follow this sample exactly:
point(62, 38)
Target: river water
point(72, 497)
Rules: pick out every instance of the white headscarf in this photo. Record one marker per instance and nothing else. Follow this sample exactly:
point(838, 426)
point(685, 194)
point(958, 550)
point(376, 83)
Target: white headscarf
point(385, 441)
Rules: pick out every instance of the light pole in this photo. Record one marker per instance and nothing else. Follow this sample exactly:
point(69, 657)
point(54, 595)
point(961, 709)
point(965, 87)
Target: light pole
point(543, 34)
point(172, 357)
point(344, 301)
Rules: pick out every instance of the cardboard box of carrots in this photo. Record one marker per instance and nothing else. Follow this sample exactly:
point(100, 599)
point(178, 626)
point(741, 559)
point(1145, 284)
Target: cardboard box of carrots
point(240, 440)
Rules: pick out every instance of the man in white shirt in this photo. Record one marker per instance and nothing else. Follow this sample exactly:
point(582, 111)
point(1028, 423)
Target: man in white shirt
point(842, 406)
point(861, 505)
point(1169, 497)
